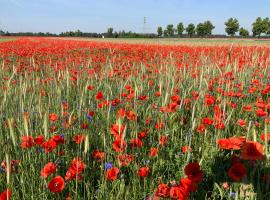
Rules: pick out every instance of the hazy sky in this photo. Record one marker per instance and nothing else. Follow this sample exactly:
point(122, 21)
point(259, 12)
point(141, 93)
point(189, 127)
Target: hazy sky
point(97, 15)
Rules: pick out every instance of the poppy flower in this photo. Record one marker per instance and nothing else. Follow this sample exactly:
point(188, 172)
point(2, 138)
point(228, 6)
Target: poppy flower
point(121, 113)
point(39, 140)
point(209, 100)
point(237, 171)
point(136, 143)
point(188, 184)
point(163, 140)
point(265, 137)
point(186, 149)
point(252, 151)
point(153, 152)
point(200, 128)
point(119, 145)
point(57, 184)
point(207, 121)
point(117, 130)
point(125, 159)
point(99, 96)
point(27, 142)
point(143, 172)
point(99, 155)
point(193, 172)
point(261, 113)
point(112, 173)
point(78, 138)
point(241, 123)
point(233, 143)
point(131, 115)
point(178, 192)
point(48, 169)
point(5, 195)
point(49, 146)
point(163, 190)
point(53, 117)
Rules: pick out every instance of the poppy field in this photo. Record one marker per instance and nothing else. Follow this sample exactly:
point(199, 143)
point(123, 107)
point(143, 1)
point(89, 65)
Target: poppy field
point(103, 120)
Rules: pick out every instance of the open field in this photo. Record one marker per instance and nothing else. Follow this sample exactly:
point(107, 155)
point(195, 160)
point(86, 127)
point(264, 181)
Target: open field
point(118, 119)
point(183, 41)
point(6, 39)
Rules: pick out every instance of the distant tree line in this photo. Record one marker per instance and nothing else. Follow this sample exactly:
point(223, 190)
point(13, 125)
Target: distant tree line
point(110, 33)
point(259, 27)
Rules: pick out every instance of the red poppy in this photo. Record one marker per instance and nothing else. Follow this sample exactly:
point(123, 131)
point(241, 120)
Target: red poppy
point(179, 192)
point(241, 122)
point(200, 128)
point(209, 100)
point(163, 140)
point(125, 159)
point(136, 143)
point(131, 115)
point(99, 96)
point(119, 145)
point(186, 149)
point(207, 121)
point(117, 130)
point(142, 134)
point(252, 151)
point(79, 138)
point(265, 137)
point(121, 113)
point(49, 146)
point(57, 184)
point(48, 169)
point(261, 113)
point(193, 172)
point(163, 190)
point(27, 142)
point(143, 172)
point(99, 155)
point(237, 171)
point(233, 143)
point(39, 140)
point(76, 167)
point(53, 117)
point(153, 152)
point(5, 195)
point(112, 173)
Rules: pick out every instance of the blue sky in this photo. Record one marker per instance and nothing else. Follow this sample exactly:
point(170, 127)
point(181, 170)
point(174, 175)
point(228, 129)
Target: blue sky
point(97, 15)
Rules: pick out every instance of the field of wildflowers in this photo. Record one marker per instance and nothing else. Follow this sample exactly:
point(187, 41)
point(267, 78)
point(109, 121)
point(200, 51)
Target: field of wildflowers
point(101, 120)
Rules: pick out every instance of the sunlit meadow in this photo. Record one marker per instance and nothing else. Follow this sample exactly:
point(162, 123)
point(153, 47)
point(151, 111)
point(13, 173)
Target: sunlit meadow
point(104, 120)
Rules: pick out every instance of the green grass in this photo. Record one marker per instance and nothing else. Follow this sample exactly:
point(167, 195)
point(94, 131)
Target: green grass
point(6, 39)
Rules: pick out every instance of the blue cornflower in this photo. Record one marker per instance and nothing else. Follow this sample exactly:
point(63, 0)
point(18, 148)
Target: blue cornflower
point(108, 165)
point(232, 195)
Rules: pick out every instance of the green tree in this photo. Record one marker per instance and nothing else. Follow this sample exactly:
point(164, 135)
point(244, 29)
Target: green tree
point(266, 23)
point(159, 31)
point(180, 28)
point(260, 26)
point(209, 27)
point(243, 32)
point(232, 26)
point(200, 30)
point(170, 30)
point(190, 30)
point(165, 33)
point(205, 29)
point(110, 32)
